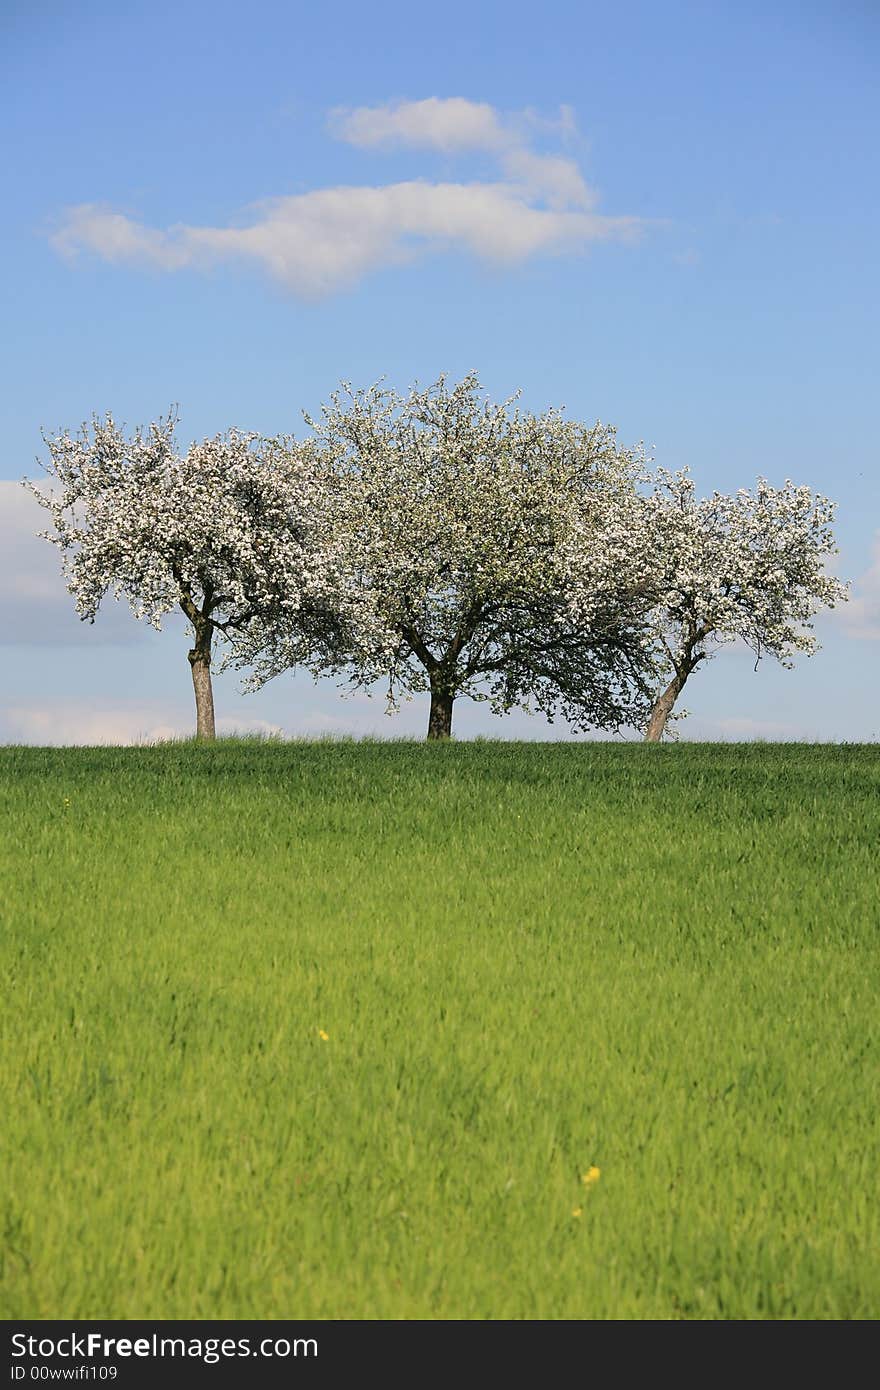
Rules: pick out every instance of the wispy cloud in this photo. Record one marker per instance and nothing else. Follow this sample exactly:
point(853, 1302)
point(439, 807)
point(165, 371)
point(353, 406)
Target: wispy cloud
point(72, 722)
point(325, 240)
point(448, 124)
point(453, 125)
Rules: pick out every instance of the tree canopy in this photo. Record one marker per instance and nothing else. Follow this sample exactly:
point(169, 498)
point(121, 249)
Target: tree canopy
point(489, 552)
point(220, 532)
point(747, 567)
point(440, 542)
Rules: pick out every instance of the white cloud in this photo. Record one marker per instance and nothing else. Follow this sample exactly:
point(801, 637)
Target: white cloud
point(322, 241)
point(453, 124)
point(563, 125)
point(74, 722)
point(117, 239)
point(548, 176)
point(57, 723)
point(861, 616)
point(447, 124)
point(316, 243)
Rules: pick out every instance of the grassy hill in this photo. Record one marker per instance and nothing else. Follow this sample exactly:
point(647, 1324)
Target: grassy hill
point(340, 1030)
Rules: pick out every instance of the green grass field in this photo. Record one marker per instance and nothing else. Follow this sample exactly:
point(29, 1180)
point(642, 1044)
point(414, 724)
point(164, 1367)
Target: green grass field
point(336, 1030)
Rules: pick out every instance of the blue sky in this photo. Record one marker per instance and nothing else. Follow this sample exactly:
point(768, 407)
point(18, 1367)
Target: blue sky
point(689, 252)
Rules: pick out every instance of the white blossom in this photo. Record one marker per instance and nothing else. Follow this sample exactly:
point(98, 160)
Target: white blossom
point(748, 567)
point(442, 543)
point(479, 550)
point(220, 532)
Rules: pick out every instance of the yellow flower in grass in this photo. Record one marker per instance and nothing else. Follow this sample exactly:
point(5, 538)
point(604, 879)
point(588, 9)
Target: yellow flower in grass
point(578, 1211)
point(325, 1037)
point(591, 1176)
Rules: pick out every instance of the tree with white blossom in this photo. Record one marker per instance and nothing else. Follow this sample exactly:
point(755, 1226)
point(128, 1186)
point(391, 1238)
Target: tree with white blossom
point(747, 567)
point(488, 552)
point(220, 532)
point(441, 543)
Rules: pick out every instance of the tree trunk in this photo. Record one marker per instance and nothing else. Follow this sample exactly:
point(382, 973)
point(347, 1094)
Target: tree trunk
point(663, 707)
point(200, 664)
point(440, 718)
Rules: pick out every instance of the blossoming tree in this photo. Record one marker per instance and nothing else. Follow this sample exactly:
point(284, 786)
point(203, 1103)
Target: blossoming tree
point(488, 552)
point(747, 567)
point(219, 532)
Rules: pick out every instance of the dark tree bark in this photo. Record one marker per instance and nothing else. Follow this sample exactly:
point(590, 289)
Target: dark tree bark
point(441, 676)
point(663, 707)
point(665, 703)
point(200, 653)
point(443, 671)
point(440, 718)
point(200, 664)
